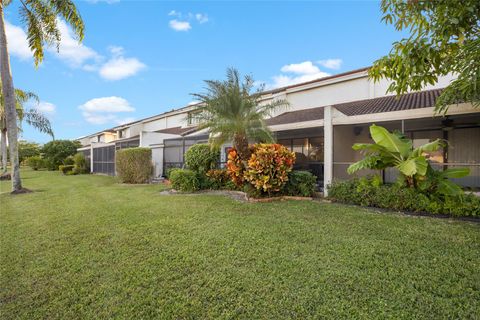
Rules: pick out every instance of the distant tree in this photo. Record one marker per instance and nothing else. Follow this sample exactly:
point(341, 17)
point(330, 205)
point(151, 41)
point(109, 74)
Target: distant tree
point(56, 151)
point(232, 111)
point(41, 18)
point(31, 116)
point(28, 149)
point(444, 38)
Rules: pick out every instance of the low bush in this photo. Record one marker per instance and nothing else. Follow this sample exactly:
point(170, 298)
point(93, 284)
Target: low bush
point(35, 162)
point(66, 169)
point(81, 164)
point(268, 167)
point(218, 179)
point(370, 192)
point(68, 161)
point(201, 158)
point(169, 171)
point(266, 170)
point(300, 183)
point(185, 180)
point(134, 165)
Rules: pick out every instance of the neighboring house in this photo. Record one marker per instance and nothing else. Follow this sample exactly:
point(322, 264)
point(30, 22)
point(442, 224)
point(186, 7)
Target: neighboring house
point(326, 117)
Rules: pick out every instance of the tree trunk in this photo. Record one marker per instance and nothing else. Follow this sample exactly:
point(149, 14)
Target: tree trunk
point(9, 105)
point(240, 142)
point(3, 150)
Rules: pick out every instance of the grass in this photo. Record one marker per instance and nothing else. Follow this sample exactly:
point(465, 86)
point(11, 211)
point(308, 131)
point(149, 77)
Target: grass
point(85, 247)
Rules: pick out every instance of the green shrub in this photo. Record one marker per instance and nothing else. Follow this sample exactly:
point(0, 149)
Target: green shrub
point(169, 171)
point(55, 152)
point(368, 192)
point(185, 180)
point(68, 161)
point(27, 149)
point(300, 183)
point(65, 169)
point(35, 162)
point(81, 165)
point(134, 165)
point(201, 158)
point(218, 178)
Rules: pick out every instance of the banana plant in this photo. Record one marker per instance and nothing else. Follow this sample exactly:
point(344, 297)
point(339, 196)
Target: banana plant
point(395, 150)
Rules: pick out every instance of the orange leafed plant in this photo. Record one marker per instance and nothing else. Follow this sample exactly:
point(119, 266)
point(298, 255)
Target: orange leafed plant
point(266, 170)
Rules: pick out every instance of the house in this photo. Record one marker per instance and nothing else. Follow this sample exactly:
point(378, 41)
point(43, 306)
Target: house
point(326, 117)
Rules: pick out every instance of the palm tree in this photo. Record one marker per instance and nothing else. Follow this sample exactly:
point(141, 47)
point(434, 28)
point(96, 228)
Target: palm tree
point(232, 112)
point(32, 116)
point(40, 17)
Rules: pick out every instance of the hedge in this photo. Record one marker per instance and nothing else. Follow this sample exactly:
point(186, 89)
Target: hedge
point(201, 158)
point(185, 180)
point(366, 192)
point(134, 165)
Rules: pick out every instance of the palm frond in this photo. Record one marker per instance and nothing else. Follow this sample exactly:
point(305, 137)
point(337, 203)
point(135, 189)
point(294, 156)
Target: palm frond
point(39, 121)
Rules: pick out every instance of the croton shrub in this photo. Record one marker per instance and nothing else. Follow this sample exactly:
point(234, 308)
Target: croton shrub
point(266, 170)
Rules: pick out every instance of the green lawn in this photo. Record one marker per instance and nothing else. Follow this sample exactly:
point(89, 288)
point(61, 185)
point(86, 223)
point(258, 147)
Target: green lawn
point(84, 247)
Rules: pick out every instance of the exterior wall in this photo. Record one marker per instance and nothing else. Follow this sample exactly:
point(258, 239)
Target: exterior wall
point(157, 159)
point(155, 125)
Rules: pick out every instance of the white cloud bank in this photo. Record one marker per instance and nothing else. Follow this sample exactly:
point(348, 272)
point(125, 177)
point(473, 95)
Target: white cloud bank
point(77, 55)
point(182, 22)
point(105, 110)
point(333, 64)
point(46, 107)
point(302, 72)
point(17, 42)
point(72, 52)
point(179, 25)
point(119, 67)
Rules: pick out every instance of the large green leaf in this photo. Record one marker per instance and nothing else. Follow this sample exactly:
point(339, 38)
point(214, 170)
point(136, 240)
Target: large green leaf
point(428, 147)
point(447, 187)
point(456, 172)
point(390, 141)
point(413, 166)
point(371, 162)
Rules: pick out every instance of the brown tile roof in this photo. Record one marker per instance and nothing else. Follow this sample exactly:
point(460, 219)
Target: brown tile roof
point(176, 130)
point(296, 116)
point(409, 101)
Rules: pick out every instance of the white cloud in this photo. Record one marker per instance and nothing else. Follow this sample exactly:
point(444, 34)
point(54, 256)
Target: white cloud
point(201, 18)
point(70, 50)
point(179, 25)
point(302, 72)
point(173, 13)
point(119, 67)
point(333, 64)
point(104, 110)
point(45, 107)
point(107, 104)
point(306, 67)
point(17, 41)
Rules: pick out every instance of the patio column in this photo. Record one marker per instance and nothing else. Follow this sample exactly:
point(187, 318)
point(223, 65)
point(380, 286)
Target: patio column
point(328, 149)
point(91, 157)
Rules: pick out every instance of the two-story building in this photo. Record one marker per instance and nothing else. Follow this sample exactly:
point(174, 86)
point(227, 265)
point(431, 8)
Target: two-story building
point(325, 118)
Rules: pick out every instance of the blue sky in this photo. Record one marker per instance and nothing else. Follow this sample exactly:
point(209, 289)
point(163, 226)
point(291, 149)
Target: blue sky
point(140, 58)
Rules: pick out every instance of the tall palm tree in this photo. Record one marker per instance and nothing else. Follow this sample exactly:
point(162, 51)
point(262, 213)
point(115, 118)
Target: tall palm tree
point(232, 112)
point(40, 17)
point(31, 116)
